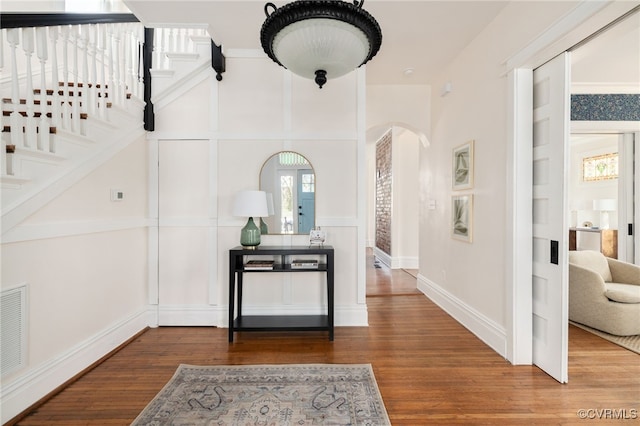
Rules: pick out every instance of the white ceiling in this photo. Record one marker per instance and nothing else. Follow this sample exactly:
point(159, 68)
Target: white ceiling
point(440, 28)
point(610, 60)
point(424, 35)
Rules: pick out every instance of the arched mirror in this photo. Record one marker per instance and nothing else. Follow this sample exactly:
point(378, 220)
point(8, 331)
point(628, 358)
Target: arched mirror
point(291, 182)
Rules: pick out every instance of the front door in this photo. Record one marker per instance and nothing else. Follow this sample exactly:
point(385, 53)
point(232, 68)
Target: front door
point(306, 201)
point(551, 103)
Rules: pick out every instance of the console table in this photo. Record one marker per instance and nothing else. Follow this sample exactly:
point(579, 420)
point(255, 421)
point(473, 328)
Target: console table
point(607, 240)
point(282, 256)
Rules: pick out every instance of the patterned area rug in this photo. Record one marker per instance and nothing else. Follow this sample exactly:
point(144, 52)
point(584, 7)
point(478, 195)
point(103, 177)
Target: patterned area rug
point(631, 343)
point(278, 395)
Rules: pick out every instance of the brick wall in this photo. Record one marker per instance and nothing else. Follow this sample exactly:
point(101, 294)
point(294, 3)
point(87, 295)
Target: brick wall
point(383, 193)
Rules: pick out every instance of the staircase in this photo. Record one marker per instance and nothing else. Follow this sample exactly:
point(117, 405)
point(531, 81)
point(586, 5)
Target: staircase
point(82, 105)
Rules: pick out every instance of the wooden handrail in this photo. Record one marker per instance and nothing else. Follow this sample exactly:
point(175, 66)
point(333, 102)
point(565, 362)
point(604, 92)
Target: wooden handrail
point(24, 20)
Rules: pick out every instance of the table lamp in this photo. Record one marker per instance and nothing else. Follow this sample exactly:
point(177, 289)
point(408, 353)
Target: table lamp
point(250, 204)
point(605, 206)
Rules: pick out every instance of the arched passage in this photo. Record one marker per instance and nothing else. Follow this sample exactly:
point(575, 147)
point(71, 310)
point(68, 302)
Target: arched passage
point(393, 152)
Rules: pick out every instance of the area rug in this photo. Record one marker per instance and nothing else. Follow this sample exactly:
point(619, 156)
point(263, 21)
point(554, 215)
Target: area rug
point(631, 343)
point(273, 395)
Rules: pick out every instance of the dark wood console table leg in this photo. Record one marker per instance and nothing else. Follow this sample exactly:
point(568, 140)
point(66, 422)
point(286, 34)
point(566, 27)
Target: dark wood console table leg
point(232, 291)
point(330, 293)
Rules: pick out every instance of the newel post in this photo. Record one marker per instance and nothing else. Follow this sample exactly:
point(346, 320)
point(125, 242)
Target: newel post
point(149, 118)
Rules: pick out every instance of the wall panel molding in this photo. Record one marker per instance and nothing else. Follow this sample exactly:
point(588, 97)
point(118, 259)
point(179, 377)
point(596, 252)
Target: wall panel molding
point(30, 232)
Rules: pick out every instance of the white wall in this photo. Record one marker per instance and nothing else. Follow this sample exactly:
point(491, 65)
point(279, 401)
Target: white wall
point(86, 6)
point(404, 223)
point(468, 279)
point(256, 111)
point(264, 109)
point(82, 259)
point(402, 106)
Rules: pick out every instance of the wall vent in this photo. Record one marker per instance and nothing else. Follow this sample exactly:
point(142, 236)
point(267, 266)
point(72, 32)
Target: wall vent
point(12, 329)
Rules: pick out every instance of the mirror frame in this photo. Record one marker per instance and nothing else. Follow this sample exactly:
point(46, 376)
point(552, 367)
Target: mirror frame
point(264, 187)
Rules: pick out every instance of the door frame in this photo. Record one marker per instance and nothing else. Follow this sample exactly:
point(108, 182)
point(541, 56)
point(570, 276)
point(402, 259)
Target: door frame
point(587, 19)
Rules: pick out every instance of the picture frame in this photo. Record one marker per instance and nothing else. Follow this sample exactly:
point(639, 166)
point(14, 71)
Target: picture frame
point(462, 171)
point(462, 217)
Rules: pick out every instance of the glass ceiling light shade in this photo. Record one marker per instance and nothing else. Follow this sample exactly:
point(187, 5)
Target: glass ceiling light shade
point(320, 39)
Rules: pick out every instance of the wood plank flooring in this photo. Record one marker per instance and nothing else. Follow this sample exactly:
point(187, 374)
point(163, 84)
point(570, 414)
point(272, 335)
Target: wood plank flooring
point(430, 371)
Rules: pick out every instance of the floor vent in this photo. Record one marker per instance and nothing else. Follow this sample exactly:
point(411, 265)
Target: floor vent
point(12, 329)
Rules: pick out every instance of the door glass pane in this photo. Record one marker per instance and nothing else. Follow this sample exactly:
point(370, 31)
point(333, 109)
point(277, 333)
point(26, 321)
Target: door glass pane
point(286, 204)
point(308, 182)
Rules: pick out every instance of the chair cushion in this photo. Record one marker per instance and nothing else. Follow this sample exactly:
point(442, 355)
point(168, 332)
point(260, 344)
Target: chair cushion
point(593, 260)
point(623, 293)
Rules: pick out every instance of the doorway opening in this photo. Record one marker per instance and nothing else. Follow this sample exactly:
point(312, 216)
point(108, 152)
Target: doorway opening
point(393, 205)
point(520, 268)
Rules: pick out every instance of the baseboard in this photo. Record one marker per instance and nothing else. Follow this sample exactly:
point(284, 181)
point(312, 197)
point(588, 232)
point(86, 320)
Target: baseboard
point(32, 386)
point(382, 256)
point(484, 328)
point(217, 316)
point(191, 315)
point(397, 262)
point(407, 262)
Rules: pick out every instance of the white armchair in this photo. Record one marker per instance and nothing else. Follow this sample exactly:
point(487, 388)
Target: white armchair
point(604, 293)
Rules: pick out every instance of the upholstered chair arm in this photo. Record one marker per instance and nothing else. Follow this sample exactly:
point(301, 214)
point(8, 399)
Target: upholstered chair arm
point(623, 272)
point(585, 283)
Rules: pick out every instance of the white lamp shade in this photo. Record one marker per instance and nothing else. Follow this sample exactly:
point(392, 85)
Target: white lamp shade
point(309, 45)
point(251, 204)
point(605, 205)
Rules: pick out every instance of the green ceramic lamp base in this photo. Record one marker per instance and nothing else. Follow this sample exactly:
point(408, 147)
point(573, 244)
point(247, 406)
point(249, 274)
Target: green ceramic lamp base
point(250, 235)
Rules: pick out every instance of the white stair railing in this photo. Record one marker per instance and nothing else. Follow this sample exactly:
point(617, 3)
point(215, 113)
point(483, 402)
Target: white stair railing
point(83, 70)
point(168, 41)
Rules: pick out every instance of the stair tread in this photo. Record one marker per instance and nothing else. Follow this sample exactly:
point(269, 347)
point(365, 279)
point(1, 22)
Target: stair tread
point(9, 101)
point(7, 129)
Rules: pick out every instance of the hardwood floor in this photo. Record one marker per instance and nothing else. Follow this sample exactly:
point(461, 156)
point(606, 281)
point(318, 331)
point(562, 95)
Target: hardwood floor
point(383, 281)
point(430, 371)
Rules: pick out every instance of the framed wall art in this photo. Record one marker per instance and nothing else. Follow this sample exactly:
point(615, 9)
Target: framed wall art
point(462, 217)
point(463, 166)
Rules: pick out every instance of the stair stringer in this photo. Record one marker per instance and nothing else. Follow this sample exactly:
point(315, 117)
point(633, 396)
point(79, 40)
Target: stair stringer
point(37, 194)
point(182, 85)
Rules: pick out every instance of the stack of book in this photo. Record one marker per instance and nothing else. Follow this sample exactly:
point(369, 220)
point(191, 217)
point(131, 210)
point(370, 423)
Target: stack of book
point(304, 264)
point(259, 265)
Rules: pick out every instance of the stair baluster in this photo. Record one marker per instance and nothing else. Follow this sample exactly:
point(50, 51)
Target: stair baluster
point(75, 91)
point(44, 125)
point(117, 89)
point(101, 44)
point(93, 69)
point(83, 88)
point(110, 63)
point(56, 113)
point(66, 108)
point(31, 135)
point(128, 60)
point(159, 49)
point(137, 68)
point(15, 119)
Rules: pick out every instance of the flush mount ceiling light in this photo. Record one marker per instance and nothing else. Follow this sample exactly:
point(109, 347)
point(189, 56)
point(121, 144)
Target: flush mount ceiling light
point(320, 39)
